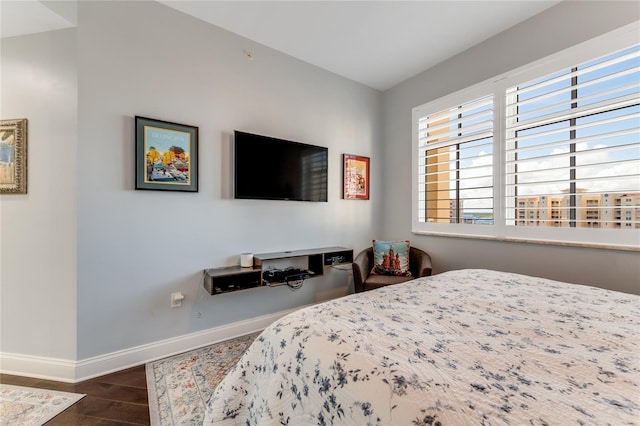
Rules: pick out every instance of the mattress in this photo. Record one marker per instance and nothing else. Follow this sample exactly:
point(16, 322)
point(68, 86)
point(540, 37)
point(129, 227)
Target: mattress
point(461, 347)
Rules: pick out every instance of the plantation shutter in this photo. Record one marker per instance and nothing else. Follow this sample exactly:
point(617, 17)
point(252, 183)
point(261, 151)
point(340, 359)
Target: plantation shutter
point(573, 146)
point(455, 164)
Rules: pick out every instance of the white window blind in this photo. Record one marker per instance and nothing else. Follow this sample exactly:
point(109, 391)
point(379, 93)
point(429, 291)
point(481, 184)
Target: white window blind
point(455, 171)
point(573, 146)
point(548, 153)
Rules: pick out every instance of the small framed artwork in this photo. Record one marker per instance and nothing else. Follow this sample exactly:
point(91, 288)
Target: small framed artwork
point(355, 177)
point(166, 155)
point(13, 156)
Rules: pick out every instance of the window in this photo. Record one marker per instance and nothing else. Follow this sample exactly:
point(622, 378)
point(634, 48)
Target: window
point(456, 152)
point(548, 152)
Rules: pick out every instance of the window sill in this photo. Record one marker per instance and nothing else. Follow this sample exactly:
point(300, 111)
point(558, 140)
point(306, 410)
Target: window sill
point(532, 241)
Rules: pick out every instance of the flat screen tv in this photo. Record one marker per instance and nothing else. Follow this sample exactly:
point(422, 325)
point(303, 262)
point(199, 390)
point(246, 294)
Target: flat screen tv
point(268, 168)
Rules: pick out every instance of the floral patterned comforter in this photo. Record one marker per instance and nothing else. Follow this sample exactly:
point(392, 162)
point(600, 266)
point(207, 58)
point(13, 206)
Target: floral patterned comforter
point(459, 348)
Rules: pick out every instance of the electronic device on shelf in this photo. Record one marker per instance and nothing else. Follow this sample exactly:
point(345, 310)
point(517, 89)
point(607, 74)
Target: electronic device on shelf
point(287, 275)
point(335, 259)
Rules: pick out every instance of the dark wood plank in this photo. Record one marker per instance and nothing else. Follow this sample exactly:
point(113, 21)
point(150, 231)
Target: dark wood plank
point(131, 377)
point(72, 419)
point(134, 395)
point(116, 399)
point(111, 410)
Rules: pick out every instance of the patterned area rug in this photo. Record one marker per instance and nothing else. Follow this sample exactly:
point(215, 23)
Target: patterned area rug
point(21, 406)
point(180, 386)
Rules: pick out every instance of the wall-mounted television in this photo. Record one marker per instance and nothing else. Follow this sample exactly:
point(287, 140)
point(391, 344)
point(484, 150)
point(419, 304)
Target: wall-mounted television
point(267, 168)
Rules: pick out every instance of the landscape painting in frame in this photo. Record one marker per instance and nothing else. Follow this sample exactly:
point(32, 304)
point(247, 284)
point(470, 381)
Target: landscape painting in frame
point(355, 177)
point(166, 155)
point(13, 156)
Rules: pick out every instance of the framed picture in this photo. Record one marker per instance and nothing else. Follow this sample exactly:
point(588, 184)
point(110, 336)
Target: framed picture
point(166, 155)
point(355, 177)
point(13, 156)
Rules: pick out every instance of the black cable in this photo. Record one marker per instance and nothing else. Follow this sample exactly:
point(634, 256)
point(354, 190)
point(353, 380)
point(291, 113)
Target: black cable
point(295, 286)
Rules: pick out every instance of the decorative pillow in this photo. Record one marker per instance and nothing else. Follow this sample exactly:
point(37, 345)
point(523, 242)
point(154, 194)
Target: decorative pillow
point(391, 258)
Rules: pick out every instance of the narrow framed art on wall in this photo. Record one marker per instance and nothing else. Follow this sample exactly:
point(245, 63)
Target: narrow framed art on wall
point(13, 156)
point(166, 155)
point(355, 172)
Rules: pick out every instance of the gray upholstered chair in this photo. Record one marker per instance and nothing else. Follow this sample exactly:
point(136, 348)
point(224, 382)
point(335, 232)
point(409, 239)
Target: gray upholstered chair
point(419, 265)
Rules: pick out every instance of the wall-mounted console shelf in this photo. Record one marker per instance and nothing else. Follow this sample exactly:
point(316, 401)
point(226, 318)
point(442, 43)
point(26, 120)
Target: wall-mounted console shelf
point(234, 278)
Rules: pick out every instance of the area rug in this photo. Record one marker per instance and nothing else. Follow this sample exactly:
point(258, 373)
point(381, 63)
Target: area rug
point(180, 386)
point(21, 406)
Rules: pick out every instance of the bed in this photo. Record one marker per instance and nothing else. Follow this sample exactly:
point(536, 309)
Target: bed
point(466, 347)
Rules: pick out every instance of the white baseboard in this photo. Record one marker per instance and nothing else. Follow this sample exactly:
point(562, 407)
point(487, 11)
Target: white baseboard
point(76, 371)
point(62, 370)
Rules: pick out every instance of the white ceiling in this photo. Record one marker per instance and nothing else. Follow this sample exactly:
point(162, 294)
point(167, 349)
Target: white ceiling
point(19, 17)
point(377, 43)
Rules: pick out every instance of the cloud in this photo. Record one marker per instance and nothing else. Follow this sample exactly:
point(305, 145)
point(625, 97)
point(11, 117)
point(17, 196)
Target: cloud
point(598, 170)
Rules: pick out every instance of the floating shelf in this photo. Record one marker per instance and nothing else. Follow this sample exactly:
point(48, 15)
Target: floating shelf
point(234, 278)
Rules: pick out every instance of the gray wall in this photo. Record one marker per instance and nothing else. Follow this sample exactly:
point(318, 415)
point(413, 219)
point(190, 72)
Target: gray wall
point(540, 36)
point(38, 230)
point(136, 247)
point(121, 252)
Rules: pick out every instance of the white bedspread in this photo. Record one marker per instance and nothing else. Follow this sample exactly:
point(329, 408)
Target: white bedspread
point(469, 347)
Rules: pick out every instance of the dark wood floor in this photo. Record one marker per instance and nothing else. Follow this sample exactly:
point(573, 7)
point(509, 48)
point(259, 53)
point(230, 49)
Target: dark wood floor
point(115, 399)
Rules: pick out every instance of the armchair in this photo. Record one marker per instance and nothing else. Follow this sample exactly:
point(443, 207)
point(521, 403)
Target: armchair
point(419, 265)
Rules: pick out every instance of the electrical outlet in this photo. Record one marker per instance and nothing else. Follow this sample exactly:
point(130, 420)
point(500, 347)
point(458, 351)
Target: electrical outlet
point(176, 299)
